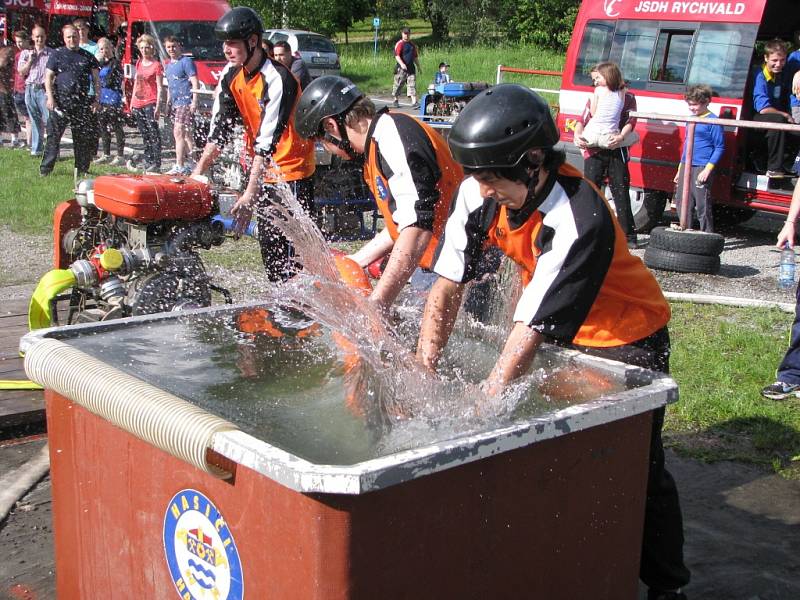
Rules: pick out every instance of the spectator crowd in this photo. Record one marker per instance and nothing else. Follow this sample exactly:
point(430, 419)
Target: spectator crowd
point(80, 86)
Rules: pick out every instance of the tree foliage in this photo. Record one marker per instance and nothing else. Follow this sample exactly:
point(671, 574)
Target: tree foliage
point(323, 16)
point(544, 22)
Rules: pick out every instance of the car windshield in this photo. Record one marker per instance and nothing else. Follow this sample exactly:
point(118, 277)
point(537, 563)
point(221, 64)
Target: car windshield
point(314, 43)
point(197, 38)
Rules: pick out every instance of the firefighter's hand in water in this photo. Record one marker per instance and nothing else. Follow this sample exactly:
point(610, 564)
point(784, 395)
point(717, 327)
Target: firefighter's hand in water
point(242, 212)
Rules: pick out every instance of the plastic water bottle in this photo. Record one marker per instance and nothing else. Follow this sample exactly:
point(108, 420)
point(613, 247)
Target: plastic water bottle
point(786, 271)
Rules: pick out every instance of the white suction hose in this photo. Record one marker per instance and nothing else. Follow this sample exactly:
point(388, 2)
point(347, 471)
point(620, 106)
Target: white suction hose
point(152, 415)
point(14, 485)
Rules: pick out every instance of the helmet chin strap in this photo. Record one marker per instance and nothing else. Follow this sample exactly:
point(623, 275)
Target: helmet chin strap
point(344, 142)
point(534, 167)
point(250, 52)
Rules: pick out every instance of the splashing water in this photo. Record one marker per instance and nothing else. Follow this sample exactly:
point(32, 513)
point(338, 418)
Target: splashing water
point(401, 402)
point(405, 389)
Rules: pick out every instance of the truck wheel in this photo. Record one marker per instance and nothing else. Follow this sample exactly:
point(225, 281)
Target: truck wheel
point(648, 212)
point(680, 262)
point(728, 216)
point(688, 242)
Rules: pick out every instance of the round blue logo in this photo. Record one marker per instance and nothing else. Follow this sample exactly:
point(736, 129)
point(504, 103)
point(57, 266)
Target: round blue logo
point(382, 191)
point(200, 550)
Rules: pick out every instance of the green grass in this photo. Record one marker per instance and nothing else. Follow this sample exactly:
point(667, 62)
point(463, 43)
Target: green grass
point(362, 31)
point(26, 199)
point(373, 74)
point(721, 358)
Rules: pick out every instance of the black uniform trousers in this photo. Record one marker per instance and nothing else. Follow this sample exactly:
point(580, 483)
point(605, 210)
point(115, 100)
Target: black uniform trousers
point(81, 120)
point(277, 252)
point(662, 567)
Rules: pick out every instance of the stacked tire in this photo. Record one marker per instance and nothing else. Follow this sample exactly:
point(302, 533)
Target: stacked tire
point(684, 251)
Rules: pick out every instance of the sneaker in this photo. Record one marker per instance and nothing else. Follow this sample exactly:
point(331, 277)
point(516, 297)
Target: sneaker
point(103, 158)
point(187, 170)
point(777, 174)
point(633, 242)
point(780, 390)
point(152, 169)
point(395, 104)
point(415, 106)
point(175, 170)
point(117, 161)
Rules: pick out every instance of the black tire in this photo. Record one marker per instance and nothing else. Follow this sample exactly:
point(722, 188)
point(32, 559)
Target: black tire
point(687, 242)
point(728, 216)
point(680, 262)
point(651, 211)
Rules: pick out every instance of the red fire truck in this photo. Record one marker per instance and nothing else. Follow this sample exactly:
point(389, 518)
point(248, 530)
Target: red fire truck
point(663, 47)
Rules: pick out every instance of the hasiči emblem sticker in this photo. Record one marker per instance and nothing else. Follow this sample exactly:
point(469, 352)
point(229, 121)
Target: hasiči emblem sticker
point(200, 551)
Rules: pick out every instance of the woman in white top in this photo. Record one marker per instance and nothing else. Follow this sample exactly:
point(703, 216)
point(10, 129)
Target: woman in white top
point(606, 108)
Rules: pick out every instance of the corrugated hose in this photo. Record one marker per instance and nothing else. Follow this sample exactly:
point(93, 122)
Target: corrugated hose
point(152, 415)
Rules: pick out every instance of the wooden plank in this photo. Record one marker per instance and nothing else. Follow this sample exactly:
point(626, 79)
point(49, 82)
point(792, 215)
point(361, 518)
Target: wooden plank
point(21, 407)
point(10, 339)
point(17, 407)
point(12, 371)
point(12, 320)
point(15, 306)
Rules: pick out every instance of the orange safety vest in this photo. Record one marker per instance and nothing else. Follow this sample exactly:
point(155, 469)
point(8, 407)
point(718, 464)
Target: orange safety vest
point(294, 155)
point(629, 305)
point(448, 183)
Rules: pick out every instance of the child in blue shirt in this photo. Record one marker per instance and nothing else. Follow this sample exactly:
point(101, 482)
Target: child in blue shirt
point(709, 145)
point(442, 76)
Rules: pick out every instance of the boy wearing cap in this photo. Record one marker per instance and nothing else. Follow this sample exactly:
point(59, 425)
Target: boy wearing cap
point(442, 75)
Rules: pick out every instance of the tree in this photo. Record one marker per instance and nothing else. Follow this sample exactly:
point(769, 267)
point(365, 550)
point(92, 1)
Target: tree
point(323, 16)
point(544, 22)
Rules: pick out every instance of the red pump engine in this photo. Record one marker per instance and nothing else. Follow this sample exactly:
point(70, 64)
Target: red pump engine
point(153, 225)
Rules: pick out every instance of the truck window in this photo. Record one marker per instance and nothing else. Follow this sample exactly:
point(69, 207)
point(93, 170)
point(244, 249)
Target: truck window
point(595, 47)
point(632, 50)
point(721, 58)
point(671, 56)
point(668, 56)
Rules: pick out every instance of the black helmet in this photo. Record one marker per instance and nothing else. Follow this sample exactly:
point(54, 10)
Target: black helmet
point(326, 96)
point(238, 24)
point(499, 125)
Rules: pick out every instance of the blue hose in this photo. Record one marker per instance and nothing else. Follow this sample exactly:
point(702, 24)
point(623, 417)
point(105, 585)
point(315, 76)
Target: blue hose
point(227, 224)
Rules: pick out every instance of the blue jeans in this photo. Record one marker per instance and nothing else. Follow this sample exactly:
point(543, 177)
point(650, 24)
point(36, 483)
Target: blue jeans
point(36, 103)
point(789, 369)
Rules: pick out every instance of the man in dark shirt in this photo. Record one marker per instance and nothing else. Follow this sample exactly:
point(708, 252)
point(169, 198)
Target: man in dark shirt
point(405, 55)
point(282, 52)
point(70, 73)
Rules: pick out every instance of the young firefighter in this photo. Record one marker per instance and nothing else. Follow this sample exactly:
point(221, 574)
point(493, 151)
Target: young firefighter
point(407, 166)
point(583, 288)
point(260, 93)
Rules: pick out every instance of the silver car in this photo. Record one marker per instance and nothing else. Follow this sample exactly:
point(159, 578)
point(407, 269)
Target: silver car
point(317, 51)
